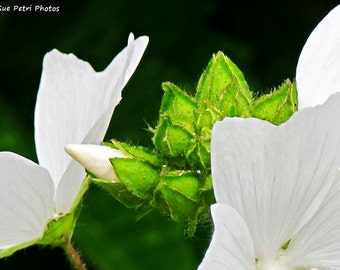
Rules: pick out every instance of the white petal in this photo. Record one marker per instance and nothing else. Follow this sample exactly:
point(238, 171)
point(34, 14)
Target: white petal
point(318, 69)
point(26, 200)
point(69, 188)
point(75, 103)
point(231, 246)
point(122, 68)
point(317, 245)
point(276, 177)
point(95, 158)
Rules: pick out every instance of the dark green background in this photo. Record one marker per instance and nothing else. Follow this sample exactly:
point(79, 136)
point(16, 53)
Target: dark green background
point(264, 38)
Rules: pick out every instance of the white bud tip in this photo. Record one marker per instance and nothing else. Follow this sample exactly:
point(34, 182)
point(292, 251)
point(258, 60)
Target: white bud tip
point(95, 158)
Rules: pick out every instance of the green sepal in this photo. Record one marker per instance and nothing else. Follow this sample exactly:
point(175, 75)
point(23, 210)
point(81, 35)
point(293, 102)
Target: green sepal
point(60, 228)
point(10, 251)
point(120, 192)
point(277, 106)
point(139, 177)
point(135, 152)
point(175, 129)
point(178, 196)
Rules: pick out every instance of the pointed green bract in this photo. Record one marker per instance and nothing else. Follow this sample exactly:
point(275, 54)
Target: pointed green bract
point(277, 106)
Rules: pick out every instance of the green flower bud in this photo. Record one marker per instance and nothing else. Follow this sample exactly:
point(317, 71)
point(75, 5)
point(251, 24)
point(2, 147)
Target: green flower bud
point(175, 130)
point(137, 174)
point(277, 106)
point(178, 195)
point(222, 91)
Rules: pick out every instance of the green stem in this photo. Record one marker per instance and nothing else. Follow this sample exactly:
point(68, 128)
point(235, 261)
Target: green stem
point(73, 255)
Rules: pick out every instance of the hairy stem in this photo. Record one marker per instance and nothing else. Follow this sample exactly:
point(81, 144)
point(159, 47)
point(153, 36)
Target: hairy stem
point(73, 255)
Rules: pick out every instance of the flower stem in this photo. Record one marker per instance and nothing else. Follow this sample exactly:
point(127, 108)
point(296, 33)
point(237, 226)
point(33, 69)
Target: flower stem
point(73, 255)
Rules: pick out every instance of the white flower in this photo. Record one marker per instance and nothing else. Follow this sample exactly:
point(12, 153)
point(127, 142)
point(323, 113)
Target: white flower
point(318, 68)
point(74, 105)
point(96, 159)
point(278, 188)
point(278, 192)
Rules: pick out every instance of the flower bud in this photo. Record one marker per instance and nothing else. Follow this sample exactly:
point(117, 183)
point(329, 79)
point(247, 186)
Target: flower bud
point(175, 130)
point(95, 159)
point(178, 195)
point(277, 106)
point(135, 169)
point(221, 92)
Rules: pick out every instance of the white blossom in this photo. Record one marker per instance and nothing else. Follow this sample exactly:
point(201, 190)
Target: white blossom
point(74, 105)
point(278, 187)
point(278, 192)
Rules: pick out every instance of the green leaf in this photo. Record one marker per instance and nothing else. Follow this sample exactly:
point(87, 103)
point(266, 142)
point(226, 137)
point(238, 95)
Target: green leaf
point(277, 106)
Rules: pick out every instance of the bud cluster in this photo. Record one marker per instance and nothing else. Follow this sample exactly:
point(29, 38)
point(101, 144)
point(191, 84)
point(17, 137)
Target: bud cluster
point(175, 176)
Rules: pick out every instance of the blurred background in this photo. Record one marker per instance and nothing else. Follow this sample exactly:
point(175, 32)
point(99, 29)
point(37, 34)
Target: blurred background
point(264, 38)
